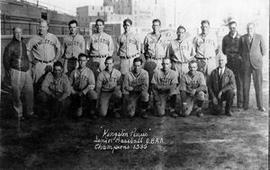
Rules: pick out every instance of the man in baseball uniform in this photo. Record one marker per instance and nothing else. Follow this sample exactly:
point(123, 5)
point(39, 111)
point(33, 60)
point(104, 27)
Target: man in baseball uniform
point(193, 90)
point(17, 69)
point(206, 48)
point(73, 45)
point(129, 47)
point(180, 51)
point(55, 90)
point(101, 46)
point(154, 48)
point(44, 50)
point(164, 85)
point(82, 82)
point(109, 87)
point(135, 88)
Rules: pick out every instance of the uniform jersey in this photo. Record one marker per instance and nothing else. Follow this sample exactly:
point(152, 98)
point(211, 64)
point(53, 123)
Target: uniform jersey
point(205, 46)
point(44, 49)
point(128, 45)
point(101, 44)
point(180, 51)
point(161, 78)
point(82, 80)
point(190, 82)
point(73, 46)
point(60, 86)
point(154, 47)
point(108, 81)
point(139, 82)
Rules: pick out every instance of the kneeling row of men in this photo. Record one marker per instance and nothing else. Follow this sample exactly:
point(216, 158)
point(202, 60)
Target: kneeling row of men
point(133, 89)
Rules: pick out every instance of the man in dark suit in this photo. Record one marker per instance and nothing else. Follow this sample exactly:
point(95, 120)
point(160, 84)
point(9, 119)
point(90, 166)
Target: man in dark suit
point(252, 50)
point(222, 86)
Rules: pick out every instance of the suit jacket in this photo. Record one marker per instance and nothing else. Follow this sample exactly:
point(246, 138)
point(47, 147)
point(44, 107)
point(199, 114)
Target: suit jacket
point(227, 81)
point(252, 54)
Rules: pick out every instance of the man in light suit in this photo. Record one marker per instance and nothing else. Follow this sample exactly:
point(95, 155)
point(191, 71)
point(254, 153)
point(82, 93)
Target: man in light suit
point(252, 49)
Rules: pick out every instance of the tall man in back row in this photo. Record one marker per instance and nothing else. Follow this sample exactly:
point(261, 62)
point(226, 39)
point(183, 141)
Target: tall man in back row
point(44, 50)
point(73, 45)
point(101, 46)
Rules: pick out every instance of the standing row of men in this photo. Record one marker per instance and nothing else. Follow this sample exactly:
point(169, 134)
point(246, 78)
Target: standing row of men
point(44, 50)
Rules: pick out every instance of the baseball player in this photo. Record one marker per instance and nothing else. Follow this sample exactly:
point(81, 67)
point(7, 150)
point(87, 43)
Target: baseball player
point(180, 51)
point(55, 90)
point(154, 48)
point(135, 87)
point(44, 50)
point(206, 48)
point(101, 46)
point(82, 82)
point(17, 68)
point(193, 90)
point(108, 86)
point(129, 47)
point(73, 45)
point(164, 85)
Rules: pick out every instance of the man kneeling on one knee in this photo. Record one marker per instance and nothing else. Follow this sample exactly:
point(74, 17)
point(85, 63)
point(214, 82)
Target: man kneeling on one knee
point(193, 90)
point(222, 87)
point(164, 83)
point(135, 87)
point(82, 82)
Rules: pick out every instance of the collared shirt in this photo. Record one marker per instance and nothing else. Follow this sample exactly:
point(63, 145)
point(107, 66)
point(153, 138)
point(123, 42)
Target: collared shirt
point(205, 46)
point(154, 46)
point(59, 86)
point(139, 82)
point(190, 82)
point(101, 44)
point(73, 46)
point(180, 51)
point(128, 45)
point(44, 49)
point(162, 78)
point(82, 79)
point(108, 81)
point(230, 44)
point(221, 71)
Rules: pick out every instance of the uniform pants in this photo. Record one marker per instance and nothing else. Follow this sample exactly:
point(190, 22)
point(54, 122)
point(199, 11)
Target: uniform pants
point(70, 65)
point(39, 69)
point(104, 101)
point(257, 80)
point(84, 100)
point(126, 65)
point(207, 65)
point(181, 68)
point(190, 102)
point(151, 65)
point(22, 83)
point(96, 64)
point(132, 101)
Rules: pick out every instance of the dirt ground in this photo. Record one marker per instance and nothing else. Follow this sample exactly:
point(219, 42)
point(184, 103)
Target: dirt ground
point(192, 143)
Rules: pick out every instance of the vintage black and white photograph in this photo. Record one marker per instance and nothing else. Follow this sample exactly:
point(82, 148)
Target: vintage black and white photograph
point(134, 84)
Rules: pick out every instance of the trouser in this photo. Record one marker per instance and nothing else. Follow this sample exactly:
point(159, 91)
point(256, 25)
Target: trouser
point(151, 65)
point(191, 102)
point(70, 65)
point(52, 105)
point(207, 66)
point(22, 83)
point(234, 63)
point(257, 80)
point(181, 68)
point(39, 69)
point(126, 65)
point(228, 98)
point(85, 101)
point(104, 102)
point(161, 99)
point(96, 64)
point(131, 101)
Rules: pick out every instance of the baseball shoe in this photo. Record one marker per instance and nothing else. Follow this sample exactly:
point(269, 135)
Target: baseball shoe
point(262, 109)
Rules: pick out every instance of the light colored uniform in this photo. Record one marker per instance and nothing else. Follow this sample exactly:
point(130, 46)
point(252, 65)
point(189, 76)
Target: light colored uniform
point(140, 85)
point(101, 46)
point(72, 47)
point(180, 53)
point(129, 47)
point(205, 48)
point(43, 52)
point(108, 85)
point(167, 80)
point(187, 84)
point(154, 50)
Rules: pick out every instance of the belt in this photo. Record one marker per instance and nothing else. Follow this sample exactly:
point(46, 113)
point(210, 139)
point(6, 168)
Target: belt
point(42, 61)
point(152, 58)
point(179, 62)
point(99, 56)
point(203, 58)
point(128, 57)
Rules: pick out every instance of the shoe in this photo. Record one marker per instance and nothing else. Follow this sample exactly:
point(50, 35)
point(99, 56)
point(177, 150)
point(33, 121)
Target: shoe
point(246, 108)
point(144, 116)
point(200, 114)
point(117, 115)
point(174, 115)
point(229, 113)
point(262, 109)
point(79, 112)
